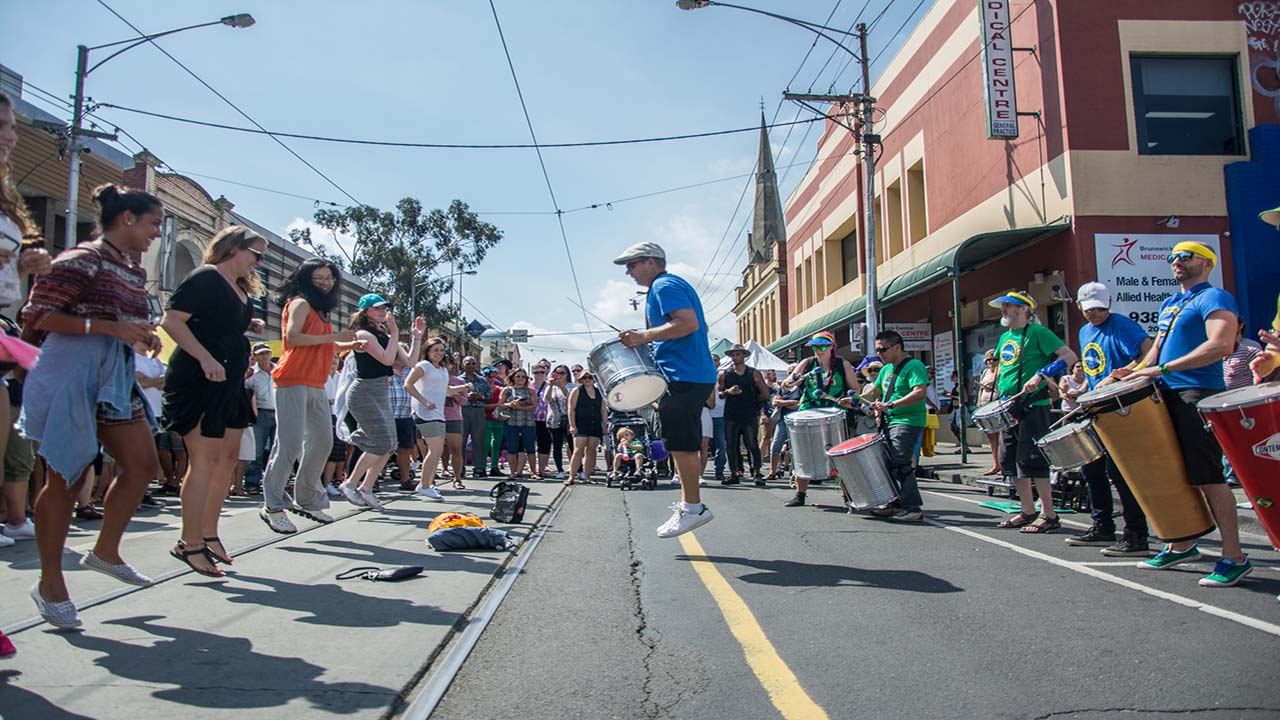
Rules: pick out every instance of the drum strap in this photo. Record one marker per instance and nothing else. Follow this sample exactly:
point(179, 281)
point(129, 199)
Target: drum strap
point(1176, 312)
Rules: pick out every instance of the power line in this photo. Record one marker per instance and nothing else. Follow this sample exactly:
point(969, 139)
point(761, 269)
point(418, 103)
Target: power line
point(895, 35)
point(573, 272)
point(443, 146)
point(228, 102)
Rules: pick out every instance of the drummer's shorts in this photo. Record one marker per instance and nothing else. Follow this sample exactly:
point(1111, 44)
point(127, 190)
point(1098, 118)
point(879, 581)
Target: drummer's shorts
point(680, 412)
point(1200, 449)
point(1019, 444)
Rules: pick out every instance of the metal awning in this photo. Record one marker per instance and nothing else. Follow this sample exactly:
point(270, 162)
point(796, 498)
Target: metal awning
point(968, 255)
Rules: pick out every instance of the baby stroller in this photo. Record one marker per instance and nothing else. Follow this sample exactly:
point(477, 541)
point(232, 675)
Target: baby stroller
point(641, 456)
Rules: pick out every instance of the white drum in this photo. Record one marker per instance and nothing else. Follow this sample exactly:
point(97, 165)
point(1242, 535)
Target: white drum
point(629, 377)
point(863, 466)
point(812, 433)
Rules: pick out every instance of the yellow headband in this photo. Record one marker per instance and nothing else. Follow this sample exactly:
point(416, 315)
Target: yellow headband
point(1196, 248)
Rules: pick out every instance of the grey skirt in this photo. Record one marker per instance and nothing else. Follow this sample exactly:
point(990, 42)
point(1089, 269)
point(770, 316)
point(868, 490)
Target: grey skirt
point(369, 404)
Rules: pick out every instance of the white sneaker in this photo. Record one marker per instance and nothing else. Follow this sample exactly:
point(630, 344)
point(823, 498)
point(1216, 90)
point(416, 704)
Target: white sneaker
point(25, 531)
point(319, 516)
point(277, 521)
point(332, 491)
point(702, 481)
point(682, 522)
point(372, 500)
point(429, 491)
point(353, 496)
point(6, 541)
point(675, 481)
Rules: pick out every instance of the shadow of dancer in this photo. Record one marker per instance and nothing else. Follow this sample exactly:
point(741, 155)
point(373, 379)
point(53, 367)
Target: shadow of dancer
point(330, 604)
point(788, 573)
point(20, 702)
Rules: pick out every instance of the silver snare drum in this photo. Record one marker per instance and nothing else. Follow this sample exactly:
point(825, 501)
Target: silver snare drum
point(812, 433)
point(863, 468)
point(629, 377)
point(995, 416)
point(1071, 446)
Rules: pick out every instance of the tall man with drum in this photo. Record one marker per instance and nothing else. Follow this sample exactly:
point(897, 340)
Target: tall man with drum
point(678, 331)
point(898, 395)
point(1029, 353)
point(1108, 342)
point(1197, 330)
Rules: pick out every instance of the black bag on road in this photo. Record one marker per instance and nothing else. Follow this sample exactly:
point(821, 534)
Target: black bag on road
point(509, 502)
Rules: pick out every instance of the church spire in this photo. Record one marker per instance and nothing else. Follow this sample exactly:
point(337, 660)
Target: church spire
point(768, 225)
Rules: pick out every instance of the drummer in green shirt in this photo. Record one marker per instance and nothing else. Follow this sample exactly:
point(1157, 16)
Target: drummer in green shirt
point(898, 395)
point(1028, 353)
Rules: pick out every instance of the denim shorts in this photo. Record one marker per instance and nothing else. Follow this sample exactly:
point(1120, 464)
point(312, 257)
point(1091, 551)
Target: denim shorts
point(521, 438)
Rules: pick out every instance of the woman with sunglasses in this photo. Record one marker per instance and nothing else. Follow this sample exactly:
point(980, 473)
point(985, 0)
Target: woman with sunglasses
point(586, 425)
point(825, 380)
point(987, 393)
point(205, 398)
point(520, 430)
point(539, 385)
point(556, 396)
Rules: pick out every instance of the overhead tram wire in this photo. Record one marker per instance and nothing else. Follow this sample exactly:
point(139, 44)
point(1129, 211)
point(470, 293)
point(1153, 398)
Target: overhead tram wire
point(898, 32)
point(233, 106)
point(849, 60)
point(573, 272)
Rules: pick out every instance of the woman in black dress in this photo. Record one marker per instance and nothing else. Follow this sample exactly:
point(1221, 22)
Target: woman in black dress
point(586, 425)
point(205, 400)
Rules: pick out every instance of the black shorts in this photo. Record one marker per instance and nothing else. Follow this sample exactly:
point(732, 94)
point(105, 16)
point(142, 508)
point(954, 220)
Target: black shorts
point(339, 451)
point(1200, 450)
point(680, 412)
point(406, 433)
point(544, 437)
point(1018, 450)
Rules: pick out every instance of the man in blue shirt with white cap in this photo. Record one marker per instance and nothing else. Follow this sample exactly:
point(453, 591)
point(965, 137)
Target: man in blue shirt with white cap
point(1107, 342)
point(678, 331)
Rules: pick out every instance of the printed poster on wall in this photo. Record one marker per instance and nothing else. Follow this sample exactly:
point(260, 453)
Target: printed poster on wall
point(944, 362)
point(1136, 269)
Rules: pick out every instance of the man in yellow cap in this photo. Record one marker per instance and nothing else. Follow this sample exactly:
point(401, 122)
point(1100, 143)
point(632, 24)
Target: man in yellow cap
point(1197, 329)
point(1028, 353)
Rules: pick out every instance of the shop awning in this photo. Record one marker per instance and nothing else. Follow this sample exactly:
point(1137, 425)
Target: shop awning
point(968, 255)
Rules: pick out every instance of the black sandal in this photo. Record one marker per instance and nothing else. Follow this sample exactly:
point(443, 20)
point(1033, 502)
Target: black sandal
point(218, 557)
point(1042, 525)
point(1020, 520)
point(181, 553)
point(457, 485)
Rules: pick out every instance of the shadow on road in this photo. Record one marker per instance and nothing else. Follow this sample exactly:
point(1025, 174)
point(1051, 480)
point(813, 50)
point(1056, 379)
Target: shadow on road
point(29, 704)
point(788, 573)
point(330, 604)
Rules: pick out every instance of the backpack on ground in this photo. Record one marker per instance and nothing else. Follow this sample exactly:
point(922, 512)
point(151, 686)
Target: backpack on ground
point(509, 502)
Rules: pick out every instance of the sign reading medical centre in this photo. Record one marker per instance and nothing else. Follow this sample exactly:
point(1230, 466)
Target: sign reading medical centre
point(916, 337)
point(997, 69)
point(1136, 270)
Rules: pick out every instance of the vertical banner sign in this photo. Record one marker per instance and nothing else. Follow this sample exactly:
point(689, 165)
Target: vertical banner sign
point(944, 362)
point(997, 69)
point(1136, 270)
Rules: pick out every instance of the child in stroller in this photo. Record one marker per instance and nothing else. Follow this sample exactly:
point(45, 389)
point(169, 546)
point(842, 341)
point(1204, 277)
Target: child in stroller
point(633, 460)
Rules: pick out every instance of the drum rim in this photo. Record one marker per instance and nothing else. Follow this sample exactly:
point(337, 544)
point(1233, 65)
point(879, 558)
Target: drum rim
point(1003, 403)
point(875, 438)
point(1086, 425)
point(829, 414)
point(1131, 385)
point(1208, 404)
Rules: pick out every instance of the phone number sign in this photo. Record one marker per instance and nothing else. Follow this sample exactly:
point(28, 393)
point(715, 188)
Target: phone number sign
point(1136, 269)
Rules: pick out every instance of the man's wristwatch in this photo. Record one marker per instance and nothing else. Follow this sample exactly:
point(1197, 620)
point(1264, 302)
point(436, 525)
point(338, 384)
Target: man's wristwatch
point(1164, 369)
point(889, 405)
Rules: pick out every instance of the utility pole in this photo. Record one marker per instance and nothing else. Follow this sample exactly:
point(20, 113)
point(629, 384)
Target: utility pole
point(869, 142)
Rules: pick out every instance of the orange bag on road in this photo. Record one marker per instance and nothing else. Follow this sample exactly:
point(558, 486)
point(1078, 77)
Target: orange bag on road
point(447, 520)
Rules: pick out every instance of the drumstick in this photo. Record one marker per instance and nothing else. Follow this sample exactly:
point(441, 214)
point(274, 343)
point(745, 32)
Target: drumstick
point(593, 315)
point(1064, 418)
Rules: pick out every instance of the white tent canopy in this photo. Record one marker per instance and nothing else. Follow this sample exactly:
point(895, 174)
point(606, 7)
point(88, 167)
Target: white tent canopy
point(759, 358)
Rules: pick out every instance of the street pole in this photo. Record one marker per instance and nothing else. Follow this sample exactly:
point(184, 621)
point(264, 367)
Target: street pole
point(869, 162)
point(77, 119)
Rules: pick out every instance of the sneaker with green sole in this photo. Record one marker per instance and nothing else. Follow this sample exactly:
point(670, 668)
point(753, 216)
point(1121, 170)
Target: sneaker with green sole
point(1167, 558)
point(1226, 572)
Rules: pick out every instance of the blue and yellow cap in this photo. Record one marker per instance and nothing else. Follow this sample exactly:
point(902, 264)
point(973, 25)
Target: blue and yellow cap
point(1013, 297)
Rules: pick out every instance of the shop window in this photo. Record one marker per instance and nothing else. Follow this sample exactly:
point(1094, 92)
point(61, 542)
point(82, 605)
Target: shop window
point(820, 277)
point(917, 225)
point(893, 215)
point(1188, 105)
point(849, 257)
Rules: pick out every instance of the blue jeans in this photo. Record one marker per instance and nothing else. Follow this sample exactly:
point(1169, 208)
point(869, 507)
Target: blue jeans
point(1101, 508)
point(903, 441)
point(717, 441)
point(264, 436)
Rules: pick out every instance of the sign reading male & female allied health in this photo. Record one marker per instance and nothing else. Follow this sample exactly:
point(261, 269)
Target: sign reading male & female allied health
point(1136, 268)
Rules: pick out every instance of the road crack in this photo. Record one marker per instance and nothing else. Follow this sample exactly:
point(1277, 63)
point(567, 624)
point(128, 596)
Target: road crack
point(1149, 711)
point(644, 634)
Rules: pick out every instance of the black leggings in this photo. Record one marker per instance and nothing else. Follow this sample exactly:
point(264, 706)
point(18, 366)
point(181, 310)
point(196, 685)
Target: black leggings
point(749, 432)
point(557, 446)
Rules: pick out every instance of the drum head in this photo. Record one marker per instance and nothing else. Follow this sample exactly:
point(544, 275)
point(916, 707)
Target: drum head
point(994, 407)
point(855, 444)
point(636, 392)
point(814, 416)
point(1065, 431)
point(1140, 387)
point(1242, 397)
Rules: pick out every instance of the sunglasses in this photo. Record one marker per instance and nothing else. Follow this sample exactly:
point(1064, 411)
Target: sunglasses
point(1182, 255)
point(539, 372)
point(822, 346)
point(259, 256)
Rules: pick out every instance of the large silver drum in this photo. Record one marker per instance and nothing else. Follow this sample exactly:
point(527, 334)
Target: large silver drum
point(812, 433)
point(629, 377)
point(1071, 447)
point(995, 416)
point(862, 465)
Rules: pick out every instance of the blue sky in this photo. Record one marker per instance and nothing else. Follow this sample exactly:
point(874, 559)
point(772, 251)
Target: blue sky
point(434, 71)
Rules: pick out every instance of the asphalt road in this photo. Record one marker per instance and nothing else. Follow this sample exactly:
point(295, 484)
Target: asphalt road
point(953, 618)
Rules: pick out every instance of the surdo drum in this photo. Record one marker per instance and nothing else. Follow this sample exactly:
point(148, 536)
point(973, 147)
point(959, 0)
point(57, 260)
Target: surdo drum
point(1247, 425)
point(629, 377)
point(862, 466)
point(812, 433)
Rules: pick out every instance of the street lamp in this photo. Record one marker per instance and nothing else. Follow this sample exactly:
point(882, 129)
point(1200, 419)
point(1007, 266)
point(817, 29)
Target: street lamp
point(242, 20)
point(868, 139)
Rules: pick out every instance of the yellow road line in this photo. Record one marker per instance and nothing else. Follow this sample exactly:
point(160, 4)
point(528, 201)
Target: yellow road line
point(782, 685)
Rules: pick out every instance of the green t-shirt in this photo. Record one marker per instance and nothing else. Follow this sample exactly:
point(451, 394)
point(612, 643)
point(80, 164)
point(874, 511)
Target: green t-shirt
point(1021, 354)
point(893, 388)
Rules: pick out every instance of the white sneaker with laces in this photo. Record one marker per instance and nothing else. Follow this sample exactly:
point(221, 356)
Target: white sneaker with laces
point(372, 500)
point(25, 531)
point(429, 491)
point(353, 496)
point(332, 491)
point(682, 521)
point(6, 541)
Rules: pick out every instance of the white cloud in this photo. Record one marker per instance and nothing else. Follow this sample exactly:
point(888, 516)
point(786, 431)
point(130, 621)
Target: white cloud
point(335, 242)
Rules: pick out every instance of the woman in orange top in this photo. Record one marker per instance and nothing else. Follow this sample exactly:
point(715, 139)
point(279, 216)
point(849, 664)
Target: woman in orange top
point(303, 429)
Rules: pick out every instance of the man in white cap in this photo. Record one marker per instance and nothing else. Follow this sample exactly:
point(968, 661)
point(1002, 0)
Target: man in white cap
point(678, 331)
point(1107, 342)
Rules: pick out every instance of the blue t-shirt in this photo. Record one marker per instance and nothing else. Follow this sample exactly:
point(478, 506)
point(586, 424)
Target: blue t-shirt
point(1113, 344)
point(686, 359)
point(1188, 332)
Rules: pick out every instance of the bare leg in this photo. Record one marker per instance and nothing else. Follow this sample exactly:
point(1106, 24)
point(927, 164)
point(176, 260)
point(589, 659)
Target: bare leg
point(1222, 504)
point(453, 447)
point(435, 448)
point(53, 520)
point(372, 470)
point(576, 461)
point(589, 457)
point(204, 455)
point(136, 459)
point(1045, 488)
point(402, 465)
point(688, 466)
point(1023, 486)
point(228, 458)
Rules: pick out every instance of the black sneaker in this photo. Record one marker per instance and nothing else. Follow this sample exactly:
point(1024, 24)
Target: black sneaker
point(148, 500)
point(760, 481)
point(720, 477)
point(169, 490)
point(797, 501)
point(1128, 547)
point(732, 480)
point(887, 511)
point(1093, 536)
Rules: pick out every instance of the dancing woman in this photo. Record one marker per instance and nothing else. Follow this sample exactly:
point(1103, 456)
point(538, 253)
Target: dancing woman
point(430, 386)
point(304, 415)
point(205, 398)
point(84, 390)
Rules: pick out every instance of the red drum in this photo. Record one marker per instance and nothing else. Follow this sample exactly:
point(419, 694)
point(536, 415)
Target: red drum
point(1247, 425)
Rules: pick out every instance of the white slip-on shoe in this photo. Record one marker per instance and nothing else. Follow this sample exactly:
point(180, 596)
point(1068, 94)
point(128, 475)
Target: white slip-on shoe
point(371, 500)
point(353, 495)
point(61, 615)
point(682, 521)
point(277, 521)
point(124, 572)
point(25, 531)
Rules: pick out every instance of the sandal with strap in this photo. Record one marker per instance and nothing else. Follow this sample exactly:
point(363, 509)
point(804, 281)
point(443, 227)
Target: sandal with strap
point(1017, 521)
point(457, 485)
point(218, 557)
point(1042, 525)
point(182, 553)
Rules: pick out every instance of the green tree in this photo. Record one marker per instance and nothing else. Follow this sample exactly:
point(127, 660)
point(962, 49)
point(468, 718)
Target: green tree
point(408, 255)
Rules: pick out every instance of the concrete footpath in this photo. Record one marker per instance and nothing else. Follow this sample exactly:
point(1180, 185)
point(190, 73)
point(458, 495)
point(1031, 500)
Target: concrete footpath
point(279, 637)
